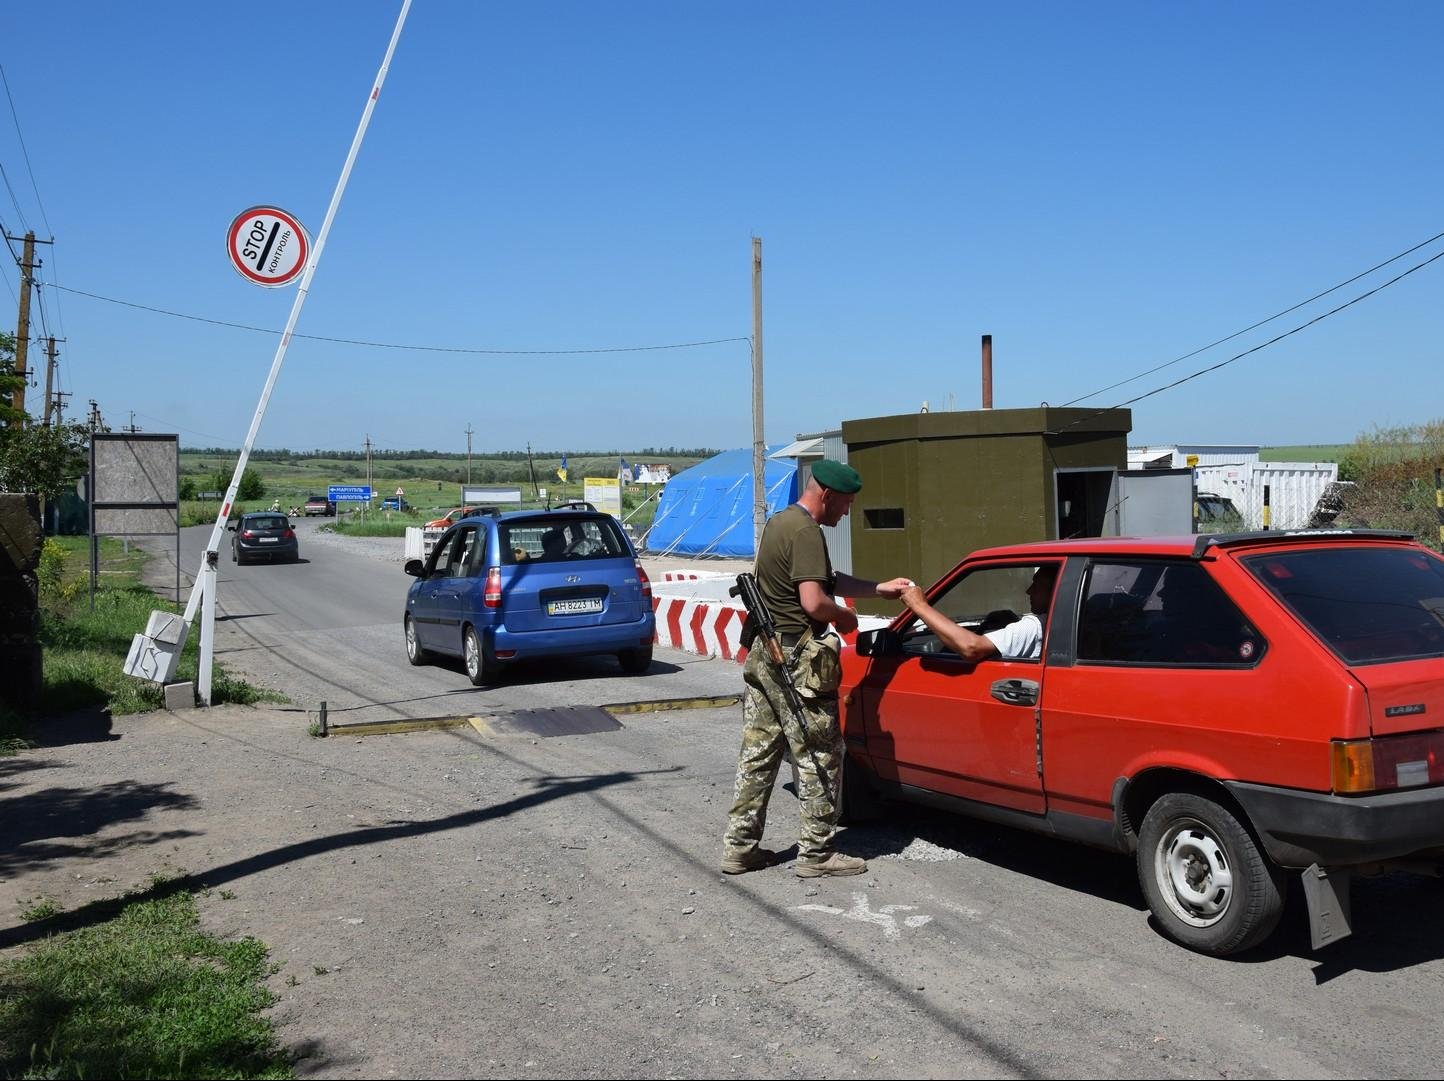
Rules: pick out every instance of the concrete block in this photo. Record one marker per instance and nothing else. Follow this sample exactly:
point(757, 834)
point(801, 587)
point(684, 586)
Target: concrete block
point(180, 695)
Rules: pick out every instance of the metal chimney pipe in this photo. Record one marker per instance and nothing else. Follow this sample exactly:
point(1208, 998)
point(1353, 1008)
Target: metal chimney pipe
point(987, 371)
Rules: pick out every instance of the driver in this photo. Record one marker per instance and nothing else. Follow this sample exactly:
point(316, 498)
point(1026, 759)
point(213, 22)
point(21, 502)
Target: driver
point(1021, 640)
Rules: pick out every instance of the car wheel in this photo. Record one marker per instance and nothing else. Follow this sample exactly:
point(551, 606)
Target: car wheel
point(857, 800)
point(480, 669)
point(635, 661)
point(1205, 879)
point(414, 651)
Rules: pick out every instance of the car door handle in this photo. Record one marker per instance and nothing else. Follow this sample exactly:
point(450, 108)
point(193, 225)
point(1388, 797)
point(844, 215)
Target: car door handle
point(1016, 692)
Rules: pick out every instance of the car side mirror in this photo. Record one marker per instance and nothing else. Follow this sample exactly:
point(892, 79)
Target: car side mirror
point(415, 567)
point(230, 529)
point(882, 642)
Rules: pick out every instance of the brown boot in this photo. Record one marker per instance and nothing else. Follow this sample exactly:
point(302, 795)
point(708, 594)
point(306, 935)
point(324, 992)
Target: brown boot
point(835, 863)
point(740, 861)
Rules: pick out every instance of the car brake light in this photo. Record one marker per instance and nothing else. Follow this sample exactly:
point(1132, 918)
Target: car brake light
point(289, 534)
point(1387, 763)
point(491, 598)
point(644, 582)
point(247, 533)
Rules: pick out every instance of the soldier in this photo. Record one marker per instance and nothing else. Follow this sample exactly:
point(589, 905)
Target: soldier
point(796, 579)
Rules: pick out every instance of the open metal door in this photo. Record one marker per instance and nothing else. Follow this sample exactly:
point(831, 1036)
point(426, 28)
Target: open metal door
point(1155, 502)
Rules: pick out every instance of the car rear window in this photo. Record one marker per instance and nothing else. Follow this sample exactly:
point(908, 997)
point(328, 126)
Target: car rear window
point(1368, 605)
point(559, 538)
point(271, 521)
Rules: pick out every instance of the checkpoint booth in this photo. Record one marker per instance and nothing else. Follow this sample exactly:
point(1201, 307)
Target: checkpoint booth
point(937, 486)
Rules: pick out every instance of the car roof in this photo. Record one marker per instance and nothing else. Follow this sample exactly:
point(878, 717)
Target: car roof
point(1194, 546)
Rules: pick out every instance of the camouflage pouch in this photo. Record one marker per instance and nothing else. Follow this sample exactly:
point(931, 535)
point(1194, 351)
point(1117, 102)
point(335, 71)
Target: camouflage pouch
point(817, 666)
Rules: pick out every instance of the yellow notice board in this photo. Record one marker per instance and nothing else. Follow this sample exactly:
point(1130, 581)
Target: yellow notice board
point(604, 493)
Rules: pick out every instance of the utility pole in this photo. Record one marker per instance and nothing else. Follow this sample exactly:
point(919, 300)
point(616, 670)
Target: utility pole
point(22, 328)
point(60, 396)
point(368, 466)
point(131, 428)
point(49, 381)
point(531, 466)
point(96, 424)
point(759, 491)
point(468, 454)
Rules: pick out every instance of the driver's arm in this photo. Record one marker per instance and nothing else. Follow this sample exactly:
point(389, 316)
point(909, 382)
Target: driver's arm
point(967, 645)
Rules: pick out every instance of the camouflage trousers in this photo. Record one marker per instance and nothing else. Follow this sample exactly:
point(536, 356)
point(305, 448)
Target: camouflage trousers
point(768, 730)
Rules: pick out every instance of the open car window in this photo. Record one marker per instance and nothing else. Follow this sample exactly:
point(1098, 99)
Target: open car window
point(984, 600)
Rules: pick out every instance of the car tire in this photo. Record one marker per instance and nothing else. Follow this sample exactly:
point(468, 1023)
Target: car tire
point(857, 800)
point(480, 668)
point(1205, 879)
point(415, 652)
point(635, 661)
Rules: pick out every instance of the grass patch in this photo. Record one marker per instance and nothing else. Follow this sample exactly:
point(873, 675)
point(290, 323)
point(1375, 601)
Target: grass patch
point(85, 647)
point(41, 909)
point(144, 994)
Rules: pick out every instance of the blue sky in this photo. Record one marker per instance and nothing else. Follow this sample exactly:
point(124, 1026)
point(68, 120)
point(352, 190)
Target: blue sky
point(1101, 187)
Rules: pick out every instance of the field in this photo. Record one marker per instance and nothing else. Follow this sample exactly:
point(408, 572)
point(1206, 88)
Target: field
point(432, 483)
point(1307, 452)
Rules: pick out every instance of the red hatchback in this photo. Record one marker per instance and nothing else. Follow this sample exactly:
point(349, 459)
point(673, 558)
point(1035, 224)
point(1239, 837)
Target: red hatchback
point(1229, 708)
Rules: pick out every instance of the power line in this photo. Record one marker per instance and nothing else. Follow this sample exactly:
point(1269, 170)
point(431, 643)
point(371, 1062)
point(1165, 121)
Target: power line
point(1261, 322)
point(1261, 345)
point(16, 117)
point(397, 345)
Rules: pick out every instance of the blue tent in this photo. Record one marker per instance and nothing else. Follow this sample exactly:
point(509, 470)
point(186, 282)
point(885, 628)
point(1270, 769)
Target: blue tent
point(707, 510)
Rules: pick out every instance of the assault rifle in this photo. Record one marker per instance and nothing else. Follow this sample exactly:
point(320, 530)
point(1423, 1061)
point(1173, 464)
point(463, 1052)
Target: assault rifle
point(765, 631)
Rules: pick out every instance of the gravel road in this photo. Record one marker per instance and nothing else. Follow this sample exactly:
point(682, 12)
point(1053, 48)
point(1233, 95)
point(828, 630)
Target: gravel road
point(483, 902)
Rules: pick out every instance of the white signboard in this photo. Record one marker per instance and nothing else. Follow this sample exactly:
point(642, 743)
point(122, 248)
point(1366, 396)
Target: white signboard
point(604, 493)
point(267, 246)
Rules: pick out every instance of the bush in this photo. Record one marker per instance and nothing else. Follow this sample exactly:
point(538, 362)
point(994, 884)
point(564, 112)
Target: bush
point(1393, 473)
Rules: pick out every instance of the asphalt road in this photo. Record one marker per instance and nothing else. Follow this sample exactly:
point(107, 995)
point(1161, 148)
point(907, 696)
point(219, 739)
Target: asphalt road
point(462, 903)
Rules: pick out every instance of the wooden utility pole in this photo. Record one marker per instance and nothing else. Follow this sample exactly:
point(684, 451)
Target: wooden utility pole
point(49, 380)
point(759, 490)
point(368, 467)
point(22, 330)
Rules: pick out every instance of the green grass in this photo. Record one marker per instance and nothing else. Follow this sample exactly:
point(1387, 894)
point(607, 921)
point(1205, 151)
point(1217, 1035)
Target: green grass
point(85, 647)
point(1309, 452)
point(144, 994)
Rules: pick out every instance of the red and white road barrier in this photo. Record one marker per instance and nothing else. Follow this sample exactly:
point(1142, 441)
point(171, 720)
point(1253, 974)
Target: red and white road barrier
point(713, 629)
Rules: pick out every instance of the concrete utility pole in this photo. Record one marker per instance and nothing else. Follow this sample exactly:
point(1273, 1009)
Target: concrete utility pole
point(759, 490)
point(468, 454)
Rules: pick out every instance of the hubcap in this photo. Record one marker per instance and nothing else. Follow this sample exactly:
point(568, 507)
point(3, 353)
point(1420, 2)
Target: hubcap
point(411, 638)
point(473, 654)
point(1193, 873)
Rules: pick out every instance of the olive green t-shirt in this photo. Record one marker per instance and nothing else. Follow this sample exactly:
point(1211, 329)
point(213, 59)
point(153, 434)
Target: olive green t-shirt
point(792, 551)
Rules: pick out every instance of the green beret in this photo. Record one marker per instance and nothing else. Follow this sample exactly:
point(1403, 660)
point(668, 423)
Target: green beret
point(838, 477)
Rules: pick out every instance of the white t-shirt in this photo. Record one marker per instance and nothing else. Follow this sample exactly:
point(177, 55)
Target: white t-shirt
point(1020, 640)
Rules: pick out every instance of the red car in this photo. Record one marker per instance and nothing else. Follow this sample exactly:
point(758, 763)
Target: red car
point(1232, 709)
point(451, 517)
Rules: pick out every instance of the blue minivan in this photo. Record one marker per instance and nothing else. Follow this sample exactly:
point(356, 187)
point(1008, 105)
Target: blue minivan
point(528, 584)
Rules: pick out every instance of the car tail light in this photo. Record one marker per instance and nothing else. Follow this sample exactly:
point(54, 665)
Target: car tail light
point(644, 582)
point(247, 534)
point(491, 598)
point(289, 534)
point(1388, 763)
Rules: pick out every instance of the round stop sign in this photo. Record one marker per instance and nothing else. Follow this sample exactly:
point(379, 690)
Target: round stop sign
point(268, 246)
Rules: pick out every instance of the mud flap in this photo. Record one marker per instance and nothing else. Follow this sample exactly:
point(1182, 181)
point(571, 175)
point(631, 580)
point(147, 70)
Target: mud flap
point(1330, 915)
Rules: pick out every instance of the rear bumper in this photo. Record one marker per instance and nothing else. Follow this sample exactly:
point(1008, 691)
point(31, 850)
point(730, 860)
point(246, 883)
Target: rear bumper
point(1300, 828)
point(270, 551)
point(573, 641)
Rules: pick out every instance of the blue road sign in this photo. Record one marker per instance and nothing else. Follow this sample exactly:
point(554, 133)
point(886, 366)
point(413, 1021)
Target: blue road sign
point(349, 493)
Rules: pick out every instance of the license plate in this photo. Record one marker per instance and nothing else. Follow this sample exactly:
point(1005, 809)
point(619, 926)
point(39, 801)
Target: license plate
point(269, 540)
point(574, 607)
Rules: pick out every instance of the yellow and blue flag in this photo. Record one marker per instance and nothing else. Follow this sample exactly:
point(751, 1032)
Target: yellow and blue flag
point(562, 470)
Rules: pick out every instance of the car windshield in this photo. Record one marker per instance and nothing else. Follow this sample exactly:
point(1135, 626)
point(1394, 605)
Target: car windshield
point(269, 521)
point(560, 537)
point(1369, 605)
